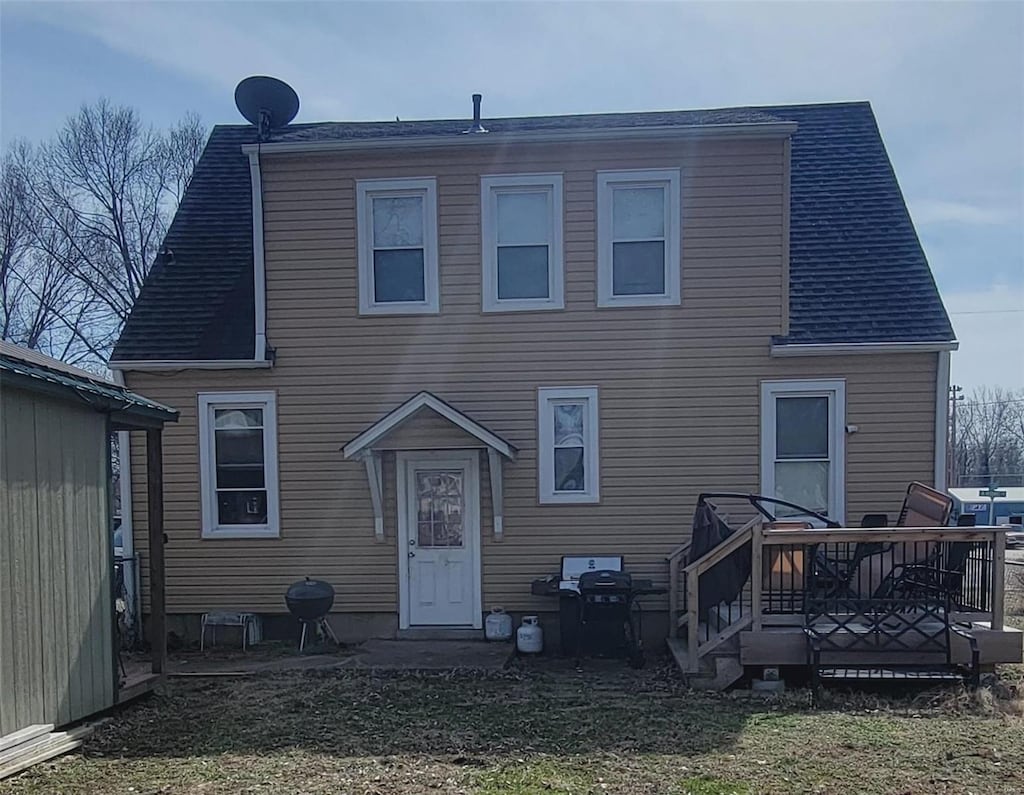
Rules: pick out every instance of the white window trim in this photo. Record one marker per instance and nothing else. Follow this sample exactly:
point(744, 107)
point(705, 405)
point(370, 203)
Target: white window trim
point(668, 179)
point(545, 442)
point(835, 390)
point(366, 189)
point(490, 187)
point(267, 401)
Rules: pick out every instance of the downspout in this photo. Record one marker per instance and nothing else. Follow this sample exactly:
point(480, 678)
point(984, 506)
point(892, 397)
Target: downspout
point(787, 171)
point(259, 274)
point(941, 419)
point(124, 455)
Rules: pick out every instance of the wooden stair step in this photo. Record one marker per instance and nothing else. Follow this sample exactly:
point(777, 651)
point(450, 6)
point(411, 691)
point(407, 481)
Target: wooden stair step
point(719, 668)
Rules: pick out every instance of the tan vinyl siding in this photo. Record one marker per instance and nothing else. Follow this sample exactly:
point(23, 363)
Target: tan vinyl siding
point(56, 608)
point(678, 386)
point(427, 430)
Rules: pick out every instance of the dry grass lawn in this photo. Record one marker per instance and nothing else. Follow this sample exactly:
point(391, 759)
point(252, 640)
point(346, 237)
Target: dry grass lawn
point(608, 730)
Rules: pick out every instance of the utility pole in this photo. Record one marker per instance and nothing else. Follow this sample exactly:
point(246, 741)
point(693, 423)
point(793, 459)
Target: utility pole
point(955, 396)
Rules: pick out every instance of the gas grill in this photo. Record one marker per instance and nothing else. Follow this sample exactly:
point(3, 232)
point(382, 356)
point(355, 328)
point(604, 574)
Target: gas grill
point(599, 611)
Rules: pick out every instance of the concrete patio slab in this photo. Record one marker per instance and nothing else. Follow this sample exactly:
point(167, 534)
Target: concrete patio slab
point(432, 655)
point(395, 655)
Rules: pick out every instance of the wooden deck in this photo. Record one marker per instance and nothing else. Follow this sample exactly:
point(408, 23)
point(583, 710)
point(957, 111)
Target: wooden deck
point(763, 626)
point(775, 646)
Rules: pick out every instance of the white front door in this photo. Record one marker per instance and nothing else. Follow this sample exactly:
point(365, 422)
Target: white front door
point(439, 539)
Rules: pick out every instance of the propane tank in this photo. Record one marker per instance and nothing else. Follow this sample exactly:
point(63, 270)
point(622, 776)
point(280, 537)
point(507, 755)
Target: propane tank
point(498, 625)
point(529, 636)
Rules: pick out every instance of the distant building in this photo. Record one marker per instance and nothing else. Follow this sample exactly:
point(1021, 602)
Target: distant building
point(1008, 509)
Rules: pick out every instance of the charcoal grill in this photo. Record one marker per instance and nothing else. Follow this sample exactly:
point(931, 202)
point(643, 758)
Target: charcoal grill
point(310, 601)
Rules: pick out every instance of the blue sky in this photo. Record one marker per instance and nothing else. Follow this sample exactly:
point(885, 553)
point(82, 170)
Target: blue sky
point(946, 81)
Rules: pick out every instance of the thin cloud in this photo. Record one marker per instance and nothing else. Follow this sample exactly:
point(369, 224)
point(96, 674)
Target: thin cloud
point(943, 212)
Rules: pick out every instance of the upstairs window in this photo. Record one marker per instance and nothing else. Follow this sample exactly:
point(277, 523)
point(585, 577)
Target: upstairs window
point(638, 220)
point(522, 242)
point(238, 462)
point(397, 229)
point(567, 445)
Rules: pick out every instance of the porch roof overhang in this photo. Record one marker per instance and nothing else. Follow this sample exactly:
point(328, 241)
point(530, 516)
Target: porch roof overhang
point(366, 440)
point(364, 448)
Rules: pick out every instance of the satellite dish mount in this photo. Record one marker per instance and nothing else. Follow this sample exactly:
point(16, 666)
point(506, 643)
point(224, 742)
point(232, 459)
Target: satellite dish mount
point(267, 103)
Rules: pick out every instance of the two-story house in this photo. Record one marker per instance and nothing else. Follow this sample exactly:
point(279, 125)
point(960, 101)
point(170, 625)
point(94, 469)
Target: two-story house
point(423, 363)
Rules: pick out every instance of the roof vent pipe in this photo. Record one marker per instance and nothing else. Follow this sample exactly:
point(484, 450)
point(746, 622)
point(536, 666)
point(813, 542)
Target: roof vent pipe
point(476, 127)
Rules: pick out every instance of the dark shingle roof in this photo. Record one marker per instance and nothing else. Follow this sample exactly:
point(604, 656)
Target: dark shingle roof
point(857, 271)
point(197, 302)
point(356, 131)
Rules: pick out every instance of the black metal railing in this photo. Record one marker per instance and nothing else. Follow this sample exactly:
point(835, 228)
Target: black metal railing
point(862, 569)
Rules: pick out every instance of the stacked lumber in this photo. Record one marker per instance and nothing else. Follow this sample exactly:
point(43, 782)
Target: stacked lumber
point(33, 744)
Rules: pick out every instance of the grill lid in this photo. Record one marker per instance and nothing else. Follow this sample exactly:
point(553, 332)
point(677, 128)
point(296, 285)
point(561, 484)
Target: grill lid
point(309, 600)
point(605, 582)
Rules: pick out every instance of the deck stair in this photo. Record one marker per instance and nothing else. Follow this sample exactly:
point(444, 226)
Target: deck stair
point(718, 669)
point(706, 648)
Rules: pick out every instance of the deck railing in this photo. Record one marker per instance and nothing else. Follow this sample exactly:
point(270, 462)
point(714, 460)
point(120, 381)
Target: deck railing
point(788, 565)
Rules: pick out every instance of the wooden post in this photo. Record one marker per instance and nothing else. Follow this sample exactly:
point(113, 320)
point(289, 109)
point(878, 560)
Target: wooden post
point(673, 596)
point(998, 581)
point(157, 603)
point(693, 622)
point(756, 574)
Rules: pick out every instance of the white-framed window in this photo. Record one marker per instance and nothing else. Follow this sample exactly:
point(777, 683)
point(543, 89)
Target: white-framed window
point(803, 444)
point(397, 231)
point(521, 230)
point(238, 464)
point(568, 455)
point(638, 237)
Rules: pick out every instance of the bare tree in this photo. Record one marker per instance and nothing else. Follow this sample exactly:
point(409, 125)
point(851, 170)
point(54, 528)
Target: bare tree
point(34, 290)
point(83, 216)
point(990, 438)
point(183, 146)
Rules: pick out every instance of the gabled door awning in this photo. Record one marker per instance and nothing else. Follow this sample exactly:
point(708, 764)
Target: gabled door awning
point(363, 447)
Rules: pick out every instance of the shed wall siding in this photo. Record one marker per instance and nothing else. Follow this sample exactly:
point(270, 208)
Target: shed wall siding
point(679, 386)
point(56, 610)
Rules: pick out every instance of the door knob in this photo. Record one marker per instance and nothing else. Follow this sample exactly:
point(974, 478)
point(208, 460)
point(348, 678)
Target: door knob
point(412, 554)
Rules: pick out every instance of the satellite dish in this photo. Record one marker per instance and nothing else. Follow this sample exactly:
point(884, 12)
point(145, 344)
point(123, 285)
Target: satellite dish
point(266, 102)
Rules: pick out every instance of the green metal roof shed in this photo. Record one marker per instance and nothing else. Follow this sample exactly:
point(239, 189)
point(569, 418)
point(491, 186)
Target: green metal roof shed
point(58, 639)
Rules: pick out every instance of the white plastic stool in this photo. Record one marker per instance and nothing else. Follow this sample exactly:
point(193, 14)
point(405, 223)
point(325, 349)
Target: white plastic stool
point(249, 622)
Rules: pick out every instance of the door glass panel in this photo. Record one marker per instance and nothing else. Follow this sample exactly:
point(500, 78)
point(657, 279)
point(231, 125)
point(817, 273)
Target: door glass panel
point(801, 427)
point(440, 508)
point(802, 482)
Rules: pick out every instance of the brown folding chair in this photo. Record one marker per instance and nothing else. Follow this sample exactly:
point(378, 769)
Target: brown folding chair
point(925, 507)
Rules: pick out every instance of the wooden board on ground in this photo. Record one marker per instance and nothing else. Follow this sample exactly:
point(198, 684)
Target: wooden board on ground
point(32, 750)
